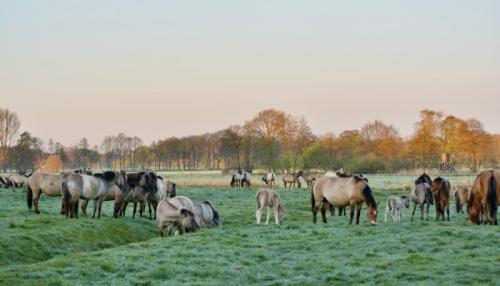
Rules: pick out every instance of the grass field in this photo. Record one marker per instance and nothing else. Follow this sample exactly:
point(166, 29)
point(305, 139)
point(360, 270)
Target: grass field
point(48, 249)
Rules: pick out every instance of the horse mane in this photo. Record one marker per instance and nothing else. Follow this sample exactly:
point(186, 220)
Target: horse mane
point(216, 214)
point(159, 177)
point(2, 181)
point(424, 178)
point(357, 178)
point(367, 193)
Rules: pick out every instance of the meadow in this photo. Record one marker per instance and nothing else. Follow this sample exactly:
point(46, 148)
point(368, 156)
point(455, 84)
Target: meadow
point(48, 249)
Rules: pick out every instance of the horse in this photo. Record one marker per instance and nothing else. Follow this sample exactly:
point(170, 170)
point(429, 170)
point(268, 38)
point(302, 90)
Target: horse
point(171, 188)
point(484, 198)
point(236, 179)
point(394, 206)
point(269, 179)
point(4, 183)
point(246, 177)
point(425, 179)
point(76, 186)
point(17, 181)
point(49, 184)
point(207, 213)
point(269, 199)
point(461, 197)
point(292, 178)
point(341, 192)
point(170, 215)
point(154, 198)
point(420, 196)
point(109, 196)
point(310, 178)
point(441, 190)
point(133, 182)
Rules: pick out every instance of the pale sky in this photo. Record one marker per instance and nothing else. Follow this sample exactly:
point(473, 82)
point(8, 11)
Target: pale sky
point(154, 69)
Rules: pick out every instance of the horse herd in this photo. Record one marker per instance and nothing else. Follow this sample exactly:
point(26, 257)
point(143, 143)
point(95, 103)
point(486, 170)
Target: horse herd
point(179, 214)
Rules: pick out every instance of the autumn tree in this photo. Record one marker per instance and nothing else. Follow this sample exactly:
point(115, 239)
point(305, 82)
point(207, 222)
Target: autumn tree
point(424, 146)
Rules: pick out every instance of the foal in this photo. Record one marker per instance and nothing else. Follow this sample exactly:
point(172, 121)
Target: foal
point(269, 199)
point(394, 207)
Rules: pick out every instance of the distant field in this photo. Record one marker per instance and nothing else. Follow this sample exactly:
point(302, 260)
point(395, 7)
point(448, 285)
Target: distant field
point(48, 249)
point(217, 179)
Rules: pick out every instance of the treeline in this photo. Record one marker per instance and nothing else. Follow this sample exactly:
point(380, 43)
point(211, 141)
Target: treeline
point(271, 140)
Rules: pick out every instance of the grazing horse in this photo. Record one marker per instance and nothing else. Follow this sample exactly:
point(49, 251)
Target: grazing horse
point(270, 179)
point(420, 196)
point(76, 186)
point(292, 178)
point(269, 199)
point(461, 197)
point(170, 214)
point(394, 207)
point(441, 189)
point(484, 198)
point(342, 192)
point(49, 184)
point(207, 213)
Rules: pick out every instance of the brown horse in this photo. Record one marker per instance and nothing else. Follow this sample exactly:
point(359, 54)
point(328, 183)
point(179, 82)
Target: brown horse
point(461, 197)
point(132, 181)
point(341, 192)
point(441, 190)
point(484, 198)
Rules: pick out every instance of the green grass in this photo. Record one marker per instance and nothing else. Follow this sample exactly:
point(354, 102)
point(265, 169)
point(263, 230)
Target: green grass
point(48, 249)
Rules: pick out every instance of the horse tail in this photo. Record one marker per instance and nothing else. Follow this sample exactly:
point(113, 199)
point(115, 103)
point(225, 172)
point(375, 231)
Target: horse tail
point(29, 196)
point(173, 193)
point(313, 201)
point(492, 195)
point(258, 201)
point(66, 198)
point(430, 197)
point(216, 217)
point(368, 194)
point(457, 201)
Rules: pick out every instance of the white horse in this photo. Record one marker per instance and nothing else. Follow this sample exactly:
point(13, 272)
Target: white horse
point(394, 207)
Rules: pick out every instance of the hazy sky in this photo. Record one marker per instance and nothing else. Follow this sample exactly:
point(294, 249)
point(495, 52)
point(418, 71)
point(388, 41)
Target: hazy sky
point(154, 69)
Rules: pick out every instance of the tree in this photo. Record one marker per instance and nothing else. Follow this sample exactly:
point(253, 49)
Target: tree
point(26, 153)
point(9, 127)
point(425, 144)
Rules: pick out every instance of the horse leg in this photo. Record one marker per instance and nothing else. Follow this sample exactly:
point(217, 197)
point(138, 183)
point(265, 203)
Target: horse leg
point(258, 215)
point(276, 215)
point(36, 198)
point(414, 209)
point(135, 208)
point(386, 213)
point(76, 208)
point(331, 208)
point(427, 211)
point(268, 215)
point(323, 210)
point(101, 199)
point(84, 207)
point(358, 213)
point(149, 210)
point(352, 214)
point(95, 208)
point(447, 212)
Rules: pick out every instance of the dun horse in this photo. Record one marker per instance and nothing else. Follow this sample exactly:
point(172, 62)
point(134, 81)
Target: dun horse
point(269, 199)
point(292, 178)
point(171, 215)
point(270, 179)
point(420, 196)
point(95, 187)
point(484, 198)
point(48, 184)
point(341, 192)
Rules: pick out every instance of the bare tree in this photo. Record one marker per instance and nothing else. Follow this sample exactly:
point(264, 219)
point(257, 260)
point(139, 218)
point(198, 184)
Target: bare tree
point(9, 127)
